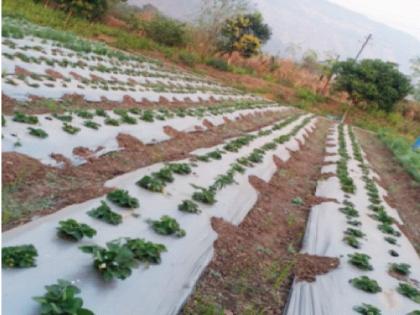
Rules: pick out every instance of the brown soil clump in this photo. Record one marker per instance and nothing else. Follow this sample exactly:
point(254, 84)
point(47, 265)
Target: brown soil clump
point(307, 266)
point(254, 263)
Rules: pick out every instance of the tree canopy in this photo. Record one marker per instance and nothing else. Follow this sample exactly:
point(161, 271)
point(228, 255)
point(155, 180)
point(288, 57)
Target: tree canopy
point(371, 81)
point(244, 33)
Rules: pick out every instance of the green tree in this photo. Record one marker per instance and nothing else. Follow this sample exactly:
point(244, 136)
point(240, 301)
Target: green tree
point(371, 81)
point(415, 67)
point(245, 34)
point(166, 31)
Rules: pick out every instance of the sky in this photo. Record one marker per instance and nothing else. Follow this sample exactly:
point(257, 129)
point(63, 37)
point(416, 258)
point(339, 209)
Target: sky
point(400, 14)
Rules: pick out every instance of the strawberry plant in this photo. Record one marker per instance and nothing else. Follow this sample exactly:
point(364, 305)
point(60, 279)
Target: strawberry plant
point(100, 112)
point(165, 175)
point(112, 121)
point(104, 213)
point(367, 309)
point(145, 251)
point(71, 229)
point(409, 291)
point(91, 124)
point(417, 312)
point(114, 261)
point(388, 229)
point(22, 256)
point(255, 157)
point(84, 114)
point(128, 119)
point(390, 240)
point(244, 161)
point(26, 119)
point(366, 284)
point(354, 232)
point(70, 129)
point(237, 168)
point(167, 226)
point(393, 253)
point(65, 118)
point(351, 241)
point(38, 132)
point(360, 261)
point(189, 206)
point(223, 180)
point(151, 183)
point(354, 222)
point(383, 217)
point(376, 208)
point(147, 116)
point(207, 196)
point(123, 199)
point(180, 168)
point(61, 298)
point(402, 268)
point(215, 155)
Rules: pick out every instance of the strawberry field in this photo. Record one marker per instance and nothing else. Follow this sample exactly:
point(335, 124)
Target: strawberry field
point(113, 186)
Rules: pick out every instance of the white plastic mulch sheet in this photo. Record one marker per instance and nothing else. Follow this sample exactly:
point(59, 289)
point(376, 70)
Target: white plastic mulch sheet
point(16, 136)
point(332, 294)
point(159, 289)
point(87, 76)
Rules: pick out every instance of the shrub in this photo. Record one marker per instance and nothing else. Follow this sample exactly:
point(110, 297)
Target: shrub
point(366, 284)
point(218, 63)
point(145, 251)
point(23, 256)
point(167, 226)
point(71, 229)
point(123, 199)
point(166, 31)
point(37, 132)
point(409, 291)
point(361, 261)
point(26, 119)
point(188, 58)
point(189, 206)
point(114, 261)
point(61, 299)
point(104, 213)
point(367, 309)
point(402, 268)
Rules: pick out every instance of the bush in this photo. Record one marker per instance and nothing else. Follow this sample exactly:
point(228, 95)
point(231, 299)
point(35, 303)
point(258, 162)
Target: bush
point(188, 58)
point(166, 31)
point(218, 63)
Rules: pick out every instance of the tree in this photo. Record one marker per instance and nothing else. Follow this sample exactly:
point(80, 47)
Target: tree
point(415, 67)
point(245, 34)
point(371, 81)
point(166, 31)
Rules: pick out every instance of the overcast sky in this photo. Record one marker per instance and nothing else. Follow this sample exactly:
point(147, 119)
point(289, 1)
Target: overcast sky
point(401, 14)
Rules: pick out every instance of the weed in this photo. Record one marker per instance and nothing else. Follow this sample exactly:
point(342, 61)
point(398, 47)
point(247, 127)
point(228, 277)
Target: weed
point(167, 226)
point(104, 213)
point(22, 256)
point(71, 229)
point(61, 299)
point(123, 199)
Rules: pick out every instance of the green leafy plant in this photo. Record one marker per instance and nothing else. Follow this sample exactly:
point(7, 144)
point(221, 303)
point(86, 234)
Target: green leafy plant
point(71, 229)
point(70, 129)
point(66, 118)
point(189, 206)
point(26, 119)
point(351, 241)
point(207, 196)
point(383, 217)
point(147, 116)
point(164, 174)
point(123, 199)
point(145, 251)
point(112, 121)
point(84, 114)
point(402, 268)
point(367, 309)
point(390, 240)
point(366, 284)
point(409, 291)
point(360, 260)
point(128, 119)
point(61, 298)
point(104, 213)
point(38, 132)
point(22, 256)
point(354, 232)
point(167, 226)
point(101, 112)
point(350, 211)
point(151, 183)
point(388, 229)
point(416, 312)
point(297, 201)
point(180, 168)
point(223, 180)
point(114, 261)
point(91, 124)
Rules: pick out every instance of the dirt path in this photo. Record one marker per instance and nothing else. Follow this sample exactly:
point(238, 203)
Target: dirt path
point(404, 192)
point(30, 188)
point(254, 264)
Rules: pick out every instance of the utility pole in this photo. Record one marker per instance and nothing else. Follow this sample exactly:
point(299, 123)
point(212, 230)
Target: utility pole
point(363, 46)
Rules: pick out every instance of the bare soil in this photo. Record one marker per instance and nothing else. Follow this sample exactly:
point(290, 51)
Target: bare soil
point(403, 191)
point(48, 189)
point(254, 263)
